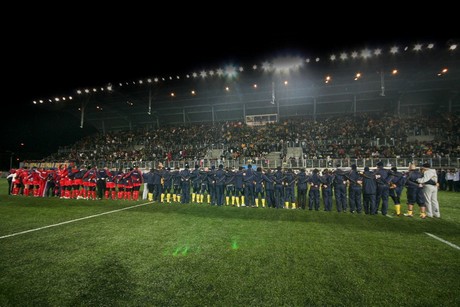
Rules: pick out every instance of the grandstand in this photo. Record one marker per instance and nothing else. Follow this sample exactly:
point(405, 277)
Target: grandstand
point(405, 81)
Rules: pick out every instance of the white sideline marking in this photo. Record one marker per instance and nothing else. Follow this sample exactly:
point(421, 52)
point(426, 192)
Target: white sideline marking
point(443, 241)
point(71, 221)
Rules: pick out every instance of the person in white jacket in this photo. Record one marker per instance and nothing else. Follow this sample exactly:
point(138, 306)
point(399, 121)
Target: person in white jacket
point(430, 190)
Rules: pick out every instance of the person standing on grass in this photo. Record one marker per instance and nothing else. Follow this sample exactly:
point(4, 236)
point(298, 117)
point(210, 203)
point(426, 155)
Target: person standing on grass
point(396, 187)
point(369, 191)
point(383, 178)
point(430, 190)
point(414, 192)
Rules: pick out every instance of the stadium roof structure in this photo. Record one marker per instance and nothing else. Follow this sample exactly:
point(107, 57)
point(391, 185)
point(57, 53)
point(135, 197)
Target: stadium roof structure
point(406, 79)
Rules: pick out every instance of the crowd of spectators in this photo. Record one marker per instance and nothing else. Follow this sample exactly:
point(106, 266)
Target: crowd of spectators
point(361, 136)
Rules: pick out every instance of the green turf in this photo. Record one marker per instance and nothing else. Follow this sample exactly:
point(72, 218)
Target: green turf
point(196, 255)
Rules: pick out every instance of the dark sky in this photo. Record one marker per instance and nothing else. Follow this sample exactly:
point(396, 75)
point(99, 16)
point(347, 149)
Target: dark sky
point(57, 53)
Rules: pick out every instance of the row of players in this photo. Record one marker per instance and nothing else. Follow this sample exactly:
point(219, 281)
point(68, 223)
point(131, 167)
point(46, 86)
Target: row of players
point(245, 187)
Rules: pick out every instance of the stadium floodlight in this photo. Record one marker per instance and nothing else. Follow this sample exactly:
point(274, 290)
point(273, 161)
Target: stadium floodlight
point(343, 56)
point(394, 72)
point(317, 60)
point(230, 71)
point(63, 98)
point(172, 94)
point(177, 77)
point(56, 99)
point(354, 54)
point(366, 53)
point(357, 76)
point(453, 47)
point(34, 102)
point(41, 101)
point(70, 97)
point(193, 92)
point(149, 80)
point(102, 89)
point(307, 60)
point(254, 86)
point(94, 90)
point(378, 51)
point(195, 75)
point(187, 76)
point(430, 46)
point(254, 67)
point(220, 72)
point(163, 79)
point(203, 74)
point(394, 50)
point(227, 88)
point(86, 90)
point(266, 66)
point(286, 82)
point(241, 69)
point(79, 92)
point(141, 82)
point(211, 72)
point(120, 84)
point(50, 100)
point(110, 88)
point(287, 63)
point(170, 78)
point(417, 47)
point(333, 57)
point(327, 79)
point(156, 80)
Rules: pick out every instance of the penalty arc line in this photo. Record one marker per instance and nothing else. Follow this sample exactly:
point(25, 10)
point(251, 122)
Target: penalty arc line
point(71, 221)
point(443, 241)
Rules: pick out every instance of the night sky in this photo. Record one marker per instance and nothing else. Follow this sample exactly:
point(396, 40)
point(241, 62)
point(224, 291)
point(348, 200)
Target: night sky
point(62, 53)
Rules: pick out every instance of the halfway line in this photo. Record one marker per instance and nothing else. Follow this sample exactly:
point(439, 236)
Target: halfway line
point(443, 241)
point(71, 221)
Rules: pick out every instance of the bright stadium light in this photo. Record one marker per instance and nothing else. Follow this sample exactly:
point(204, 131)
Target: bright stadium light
point(94, 90)
point(453, 47)
point(220, 72)
point(172, 94)
point(63, 98)
point(230, 71)
point(254, 86)
point(193, 92)
point(378, 51)
point(241, 68)
point(79, 92)
point(86, 90)
point(177, 77)
point(34, 102)
point(287, 63)
point(155, 80)
point(141, 81)
point(366, 53)
point(307, 60)
point(56, 99)
point(187, 76)
point(227, 88)
point(266, 66)
point(332, 57)
point(317, 60)
point(394, 50)
point(394, 72)
point(211, 72)
point(430, 46)
point(343, 56)
point(170, 78)
point(194, 75)
point(70, 97)
point(354, 54)
point(254, 67)
point(418, 47)
point(203, 74)
point(41, 101)
point(149, 80)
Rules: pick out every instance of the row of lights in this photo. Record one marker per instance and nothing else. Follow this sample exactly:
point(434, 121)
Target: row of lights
point(282, 64)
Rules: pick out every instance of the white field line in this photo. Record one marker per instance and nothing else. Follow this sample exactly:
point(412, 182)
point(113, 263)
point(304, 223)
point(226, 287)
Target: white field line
point(443, 241)
point(71, 221)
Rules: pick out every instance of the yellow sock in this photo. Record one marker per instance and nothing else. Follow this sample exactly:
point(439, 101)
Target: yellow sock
point(209, 199)
point(257, 202)
point(286, 204)
point(178, 198)
point(162, 197)
point(242, 200)
point(150, 195)
point(237, 201)
point(227, 200)
point(410, 212)
point(174, 197)
point(293, 205)
point(263, 202)
point(233, 200)
point(398, 209)
point(193, 197)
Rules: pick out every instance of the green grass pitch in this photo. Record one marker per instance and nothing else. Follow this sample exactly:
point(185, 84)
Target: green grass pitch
point(197, 255)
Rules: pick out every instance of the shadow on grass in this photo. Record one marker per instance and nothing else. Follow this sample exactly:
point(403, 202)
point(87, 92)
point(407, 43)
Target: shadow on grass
point(107, 283)
point(368, 222)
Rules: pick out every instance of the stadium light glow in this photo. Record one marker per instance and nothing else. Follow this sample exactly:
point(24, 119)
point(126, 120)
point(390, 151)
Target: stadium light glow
point(317, 60)
point(453, 47)
point(357, 76)
point(286, 82)
point(41, 101)
point(34, 102)
point(63, 98)
point(378, 51)
point(94, 90)
point(417, 47)
point(187, 76)
point(203, 74)
point(343, 56)
point(332, 58)
point(79, 92)
point(394, 50)
point(155, 80)
point(230, 71)
point(266, 66)
point(430, 46)
point(220, 72)
point(141, 82)
point(254, 67)
point(193, 92)
point(194, 75)
point(70, 97)
point(170, 78)
point(254, 86)
point(86, 90)
point(327, 79)
point(148, 80)
point(177, 77)
point(241, 69)
point(227, 88)
point(366, 53)
point(172, 94)
point(354, 54)
point(211, 72)
point(394, 72)
point(56, 99)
